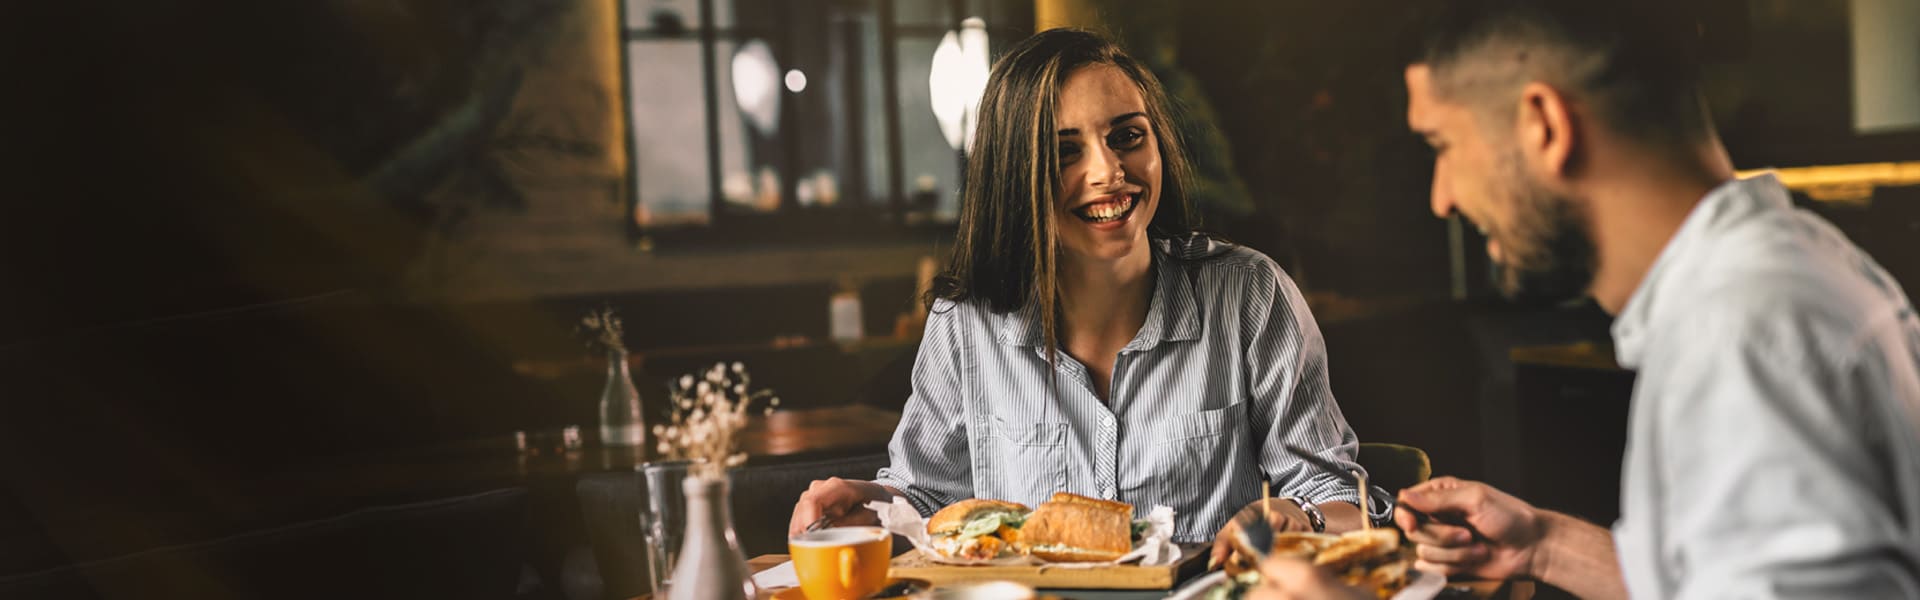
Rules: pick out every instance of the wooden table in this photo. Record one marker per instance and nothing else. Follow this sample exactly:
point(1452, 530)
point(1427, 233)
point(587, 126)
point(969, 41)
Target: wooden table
point(1492, 590)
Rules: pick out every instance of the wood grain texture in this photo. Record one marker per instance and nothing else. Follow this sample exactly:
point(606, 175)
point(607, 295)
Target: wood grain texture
point(1123, 577)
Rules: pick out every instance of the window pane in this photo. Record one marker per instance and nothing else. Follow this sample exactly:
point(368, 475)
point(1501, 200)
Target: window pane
point(873, 115)
point(931, 167)
point(748, 76)
point(830, 49)
point(669, 130)
point(923, 13)
point(662, 16)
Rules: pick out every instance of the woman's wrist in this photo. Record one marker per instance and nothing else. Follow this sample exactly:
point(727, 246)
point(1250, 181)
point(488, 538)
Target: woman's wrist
point(1315, 519)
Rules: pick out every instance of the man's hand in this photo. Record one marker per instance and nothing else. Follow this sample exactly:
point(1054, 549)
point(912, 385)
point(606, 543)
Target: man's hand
point(1475, 529)
point(843, 501)
point(1285, 516)
point(1295, 579)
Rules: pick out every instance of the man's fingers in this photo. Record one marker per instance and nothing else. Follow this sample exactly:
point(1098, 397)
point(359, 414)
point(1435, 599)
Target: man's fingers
point(1440, 534)
point(1444, 495)
point(1448, 569)
point(1406, 520)
point(1468, 556)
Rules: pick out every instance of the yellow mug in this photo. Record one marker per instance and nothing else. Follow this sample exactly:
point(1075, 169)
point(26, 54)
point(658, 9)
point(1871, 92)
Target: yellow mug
point(841, 563)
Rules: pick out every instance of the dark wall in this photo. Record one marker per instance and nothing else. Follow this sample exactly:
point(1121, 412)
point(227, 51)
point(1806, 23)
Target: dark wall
point(1310, 101)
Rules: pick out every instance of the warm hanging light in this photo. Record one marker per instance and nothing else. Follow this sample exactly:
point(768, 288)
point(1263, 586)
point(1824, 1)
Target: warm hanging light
point(756, 86)
point(956, 80)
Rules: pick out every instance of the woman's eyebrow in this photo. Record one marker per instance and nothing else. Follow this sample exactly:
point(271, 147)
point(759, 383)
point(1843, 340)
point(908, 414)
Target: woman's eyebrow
point(1116, 121)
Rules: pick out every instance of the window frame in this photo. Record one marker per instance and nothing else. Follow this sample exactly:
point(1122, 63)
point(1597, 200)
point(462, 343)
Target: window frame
point(880, 216)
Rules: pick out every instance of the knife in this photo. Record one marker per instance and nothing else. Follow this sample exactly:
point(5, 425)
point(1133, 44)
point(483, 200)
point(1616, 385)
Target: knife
point(1347, 476)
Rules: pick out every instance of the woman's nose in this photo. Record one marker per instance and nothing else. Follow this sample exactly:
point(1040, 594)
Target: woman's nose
point(1104, 169)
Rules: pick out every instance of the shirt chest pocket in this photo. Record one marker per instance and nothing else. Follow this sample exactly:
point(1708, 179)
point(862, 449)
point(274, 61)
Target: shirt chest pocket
point(1026, 461)
point(1193, 455)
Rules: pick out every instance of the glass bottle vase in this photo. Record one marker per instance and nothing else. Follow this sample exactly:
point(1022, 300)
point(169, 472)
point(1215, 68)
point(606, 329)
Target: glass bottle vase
point(621, 423)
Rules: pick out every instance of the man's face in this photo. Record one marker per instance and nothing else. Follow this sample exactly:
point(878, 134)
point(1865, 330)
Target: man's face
point(1535, 235)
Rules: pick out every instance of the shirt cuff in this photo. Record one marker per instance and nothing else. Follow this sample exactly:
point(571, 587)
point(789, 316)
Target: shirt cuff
point(1379, 503)
point(919, 498)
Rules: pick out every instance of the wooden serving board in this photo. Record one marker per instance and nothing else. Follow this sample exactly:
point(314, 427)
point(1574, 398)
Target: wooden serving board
point(1193, 559)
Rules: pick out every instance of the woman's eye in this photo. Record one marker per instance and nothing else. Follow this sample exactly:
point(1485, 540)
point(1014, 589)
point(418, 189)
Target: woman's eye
point(1069, 152)
point(1125, 138)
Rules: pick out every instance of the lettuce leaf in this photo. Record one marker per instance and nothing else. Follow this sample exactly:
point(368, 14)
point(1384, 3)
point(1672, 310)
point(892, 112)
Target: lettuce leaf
point(989, 523)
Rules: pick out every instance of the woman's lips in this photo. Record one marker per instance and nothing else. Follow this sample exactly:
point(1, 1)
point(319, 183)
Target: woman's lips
point(1108, 211)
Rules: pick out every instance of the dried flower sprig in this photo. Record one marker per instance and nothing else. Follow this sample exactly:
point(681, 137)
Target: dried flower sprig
point(603, 327)
point(708, 413)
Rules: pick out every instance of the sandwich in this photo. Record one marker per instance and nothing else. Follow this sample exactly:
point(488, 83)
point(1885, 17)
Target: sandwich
point(977, 529)
point(1371, 559)
point(1074, 528)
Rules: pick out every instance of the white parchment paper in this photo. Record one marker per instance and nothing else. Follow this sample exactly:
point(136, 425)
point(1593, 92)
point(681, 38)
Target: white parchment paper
point(1155, 547)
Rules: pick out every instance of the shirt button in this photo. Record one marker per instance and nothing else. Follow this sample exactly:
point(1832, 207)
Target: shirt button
point(1107, 492)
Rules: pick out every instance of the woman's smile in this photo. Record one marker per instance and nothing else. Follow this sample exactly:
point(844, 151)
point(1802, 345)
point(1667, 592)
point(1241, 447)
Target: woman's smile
point(1111, 209)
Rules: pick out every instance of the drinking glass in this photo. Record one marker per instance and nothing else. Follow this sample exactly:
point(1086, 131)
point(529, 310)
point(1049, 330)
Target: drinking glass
point(663, 519)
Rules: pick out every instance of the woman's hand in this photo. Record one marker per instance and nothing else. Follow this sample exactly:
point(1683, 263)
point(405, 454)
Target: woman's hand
point(1295, 579)
point(841, 501)
point(1283, 515)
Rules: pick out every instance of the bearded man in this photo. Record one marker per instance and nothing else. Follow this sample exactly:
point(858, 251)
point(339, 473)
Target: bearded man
point(1774, 441)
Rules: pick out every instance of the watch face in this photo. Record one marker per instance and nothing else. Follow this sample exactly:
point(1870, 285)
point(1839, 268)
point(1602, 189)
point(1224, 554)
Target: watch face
point(1314, 517)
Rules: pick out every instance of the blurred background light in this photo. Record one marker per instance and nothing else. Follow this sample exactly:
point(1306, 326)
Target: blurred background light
point(957, 79)
point(756, 79)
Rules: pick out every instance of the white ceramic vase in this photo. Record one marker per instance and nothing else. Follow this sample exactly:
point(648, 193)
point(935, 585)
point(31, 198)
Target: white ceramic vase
point(711, 566)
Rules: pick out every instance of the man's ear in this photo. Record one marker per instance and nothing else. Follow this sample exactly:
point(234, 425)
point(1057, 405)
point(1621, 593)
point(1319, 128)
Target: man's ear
point(1546, 132)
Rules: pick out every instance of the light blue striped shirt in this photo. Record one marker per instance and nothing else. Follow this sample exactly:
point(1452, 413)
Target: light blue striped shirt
point(1228, 366)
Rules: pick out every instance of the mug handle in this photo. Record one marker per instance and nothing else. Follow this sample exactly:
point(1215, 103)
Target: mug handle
point(849, 562)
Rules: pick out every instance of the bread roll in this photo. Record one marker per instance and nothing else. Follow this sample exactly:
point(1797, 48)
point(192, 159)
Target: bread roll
point(1073, 528)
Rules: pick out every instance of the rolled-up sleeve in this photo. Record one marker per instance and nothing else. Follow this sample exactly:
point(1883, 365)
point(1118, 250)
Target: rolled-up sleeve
point(1290, 401)
point(928, 459)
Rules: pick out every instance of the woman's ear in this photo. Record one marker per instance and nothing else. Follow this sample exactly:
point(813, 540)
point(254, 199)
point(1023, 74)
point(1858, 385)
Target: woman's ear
point(1546, 131)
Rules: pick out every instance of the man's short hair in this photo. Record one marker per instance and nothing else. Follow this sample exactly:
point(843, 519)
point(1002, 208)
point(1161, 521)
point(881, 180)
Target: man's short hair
point(1634, 61)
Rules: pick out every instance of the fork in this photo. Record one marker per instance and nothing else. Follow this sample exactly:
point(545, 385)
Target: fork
point(1254, 536)
point(818, 524)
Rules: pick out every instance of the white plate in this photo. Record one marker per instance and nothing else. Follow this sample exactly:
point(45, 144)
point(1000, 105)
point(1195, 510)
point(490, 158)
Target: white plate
point(1425, 586)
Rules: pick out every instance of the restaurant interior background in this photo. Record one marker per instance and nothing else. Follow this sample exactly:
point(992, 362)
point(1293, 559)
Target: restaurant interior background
point(256, 250)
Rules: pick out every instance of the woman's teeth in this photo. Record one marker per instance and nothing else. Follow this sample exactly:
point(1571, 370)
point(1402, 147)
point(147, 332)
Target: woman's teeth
point(1104, 212)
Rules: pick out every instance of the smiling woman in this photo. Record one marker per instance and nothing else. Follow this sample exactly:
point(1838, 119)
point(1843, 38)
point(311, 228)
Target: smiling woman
point(1084, 338)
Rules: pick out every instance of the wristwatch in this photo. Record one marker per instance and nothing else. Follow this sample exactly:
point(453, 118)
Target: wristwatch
point(1314, 517)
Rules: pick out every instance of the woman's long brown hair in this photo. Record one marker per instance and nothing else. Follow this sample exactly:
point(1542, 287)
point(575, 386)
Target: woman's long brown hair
point(1006, 251)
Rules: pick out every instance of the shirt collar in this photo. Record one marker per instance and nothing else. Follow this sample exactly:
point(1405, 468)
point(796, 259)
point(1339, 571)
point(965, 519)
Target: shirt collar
point(1730, 200)
point(1172, 314)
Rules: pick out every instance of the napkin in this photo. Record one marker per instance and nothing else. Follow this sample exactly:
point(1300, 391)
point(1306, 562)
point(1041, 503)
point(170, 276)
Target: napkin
point(780, 576)
point(1155, 547)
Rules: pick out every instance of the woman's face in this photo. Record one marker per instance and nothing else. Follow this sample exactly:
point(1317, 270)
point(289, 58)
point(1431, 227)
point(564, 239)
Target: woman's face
point(1109, 166)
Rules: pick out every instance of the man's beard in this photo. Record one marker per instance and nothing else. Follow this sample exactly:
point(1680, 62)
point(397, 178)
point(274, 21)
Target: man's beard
point(1549, 257)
